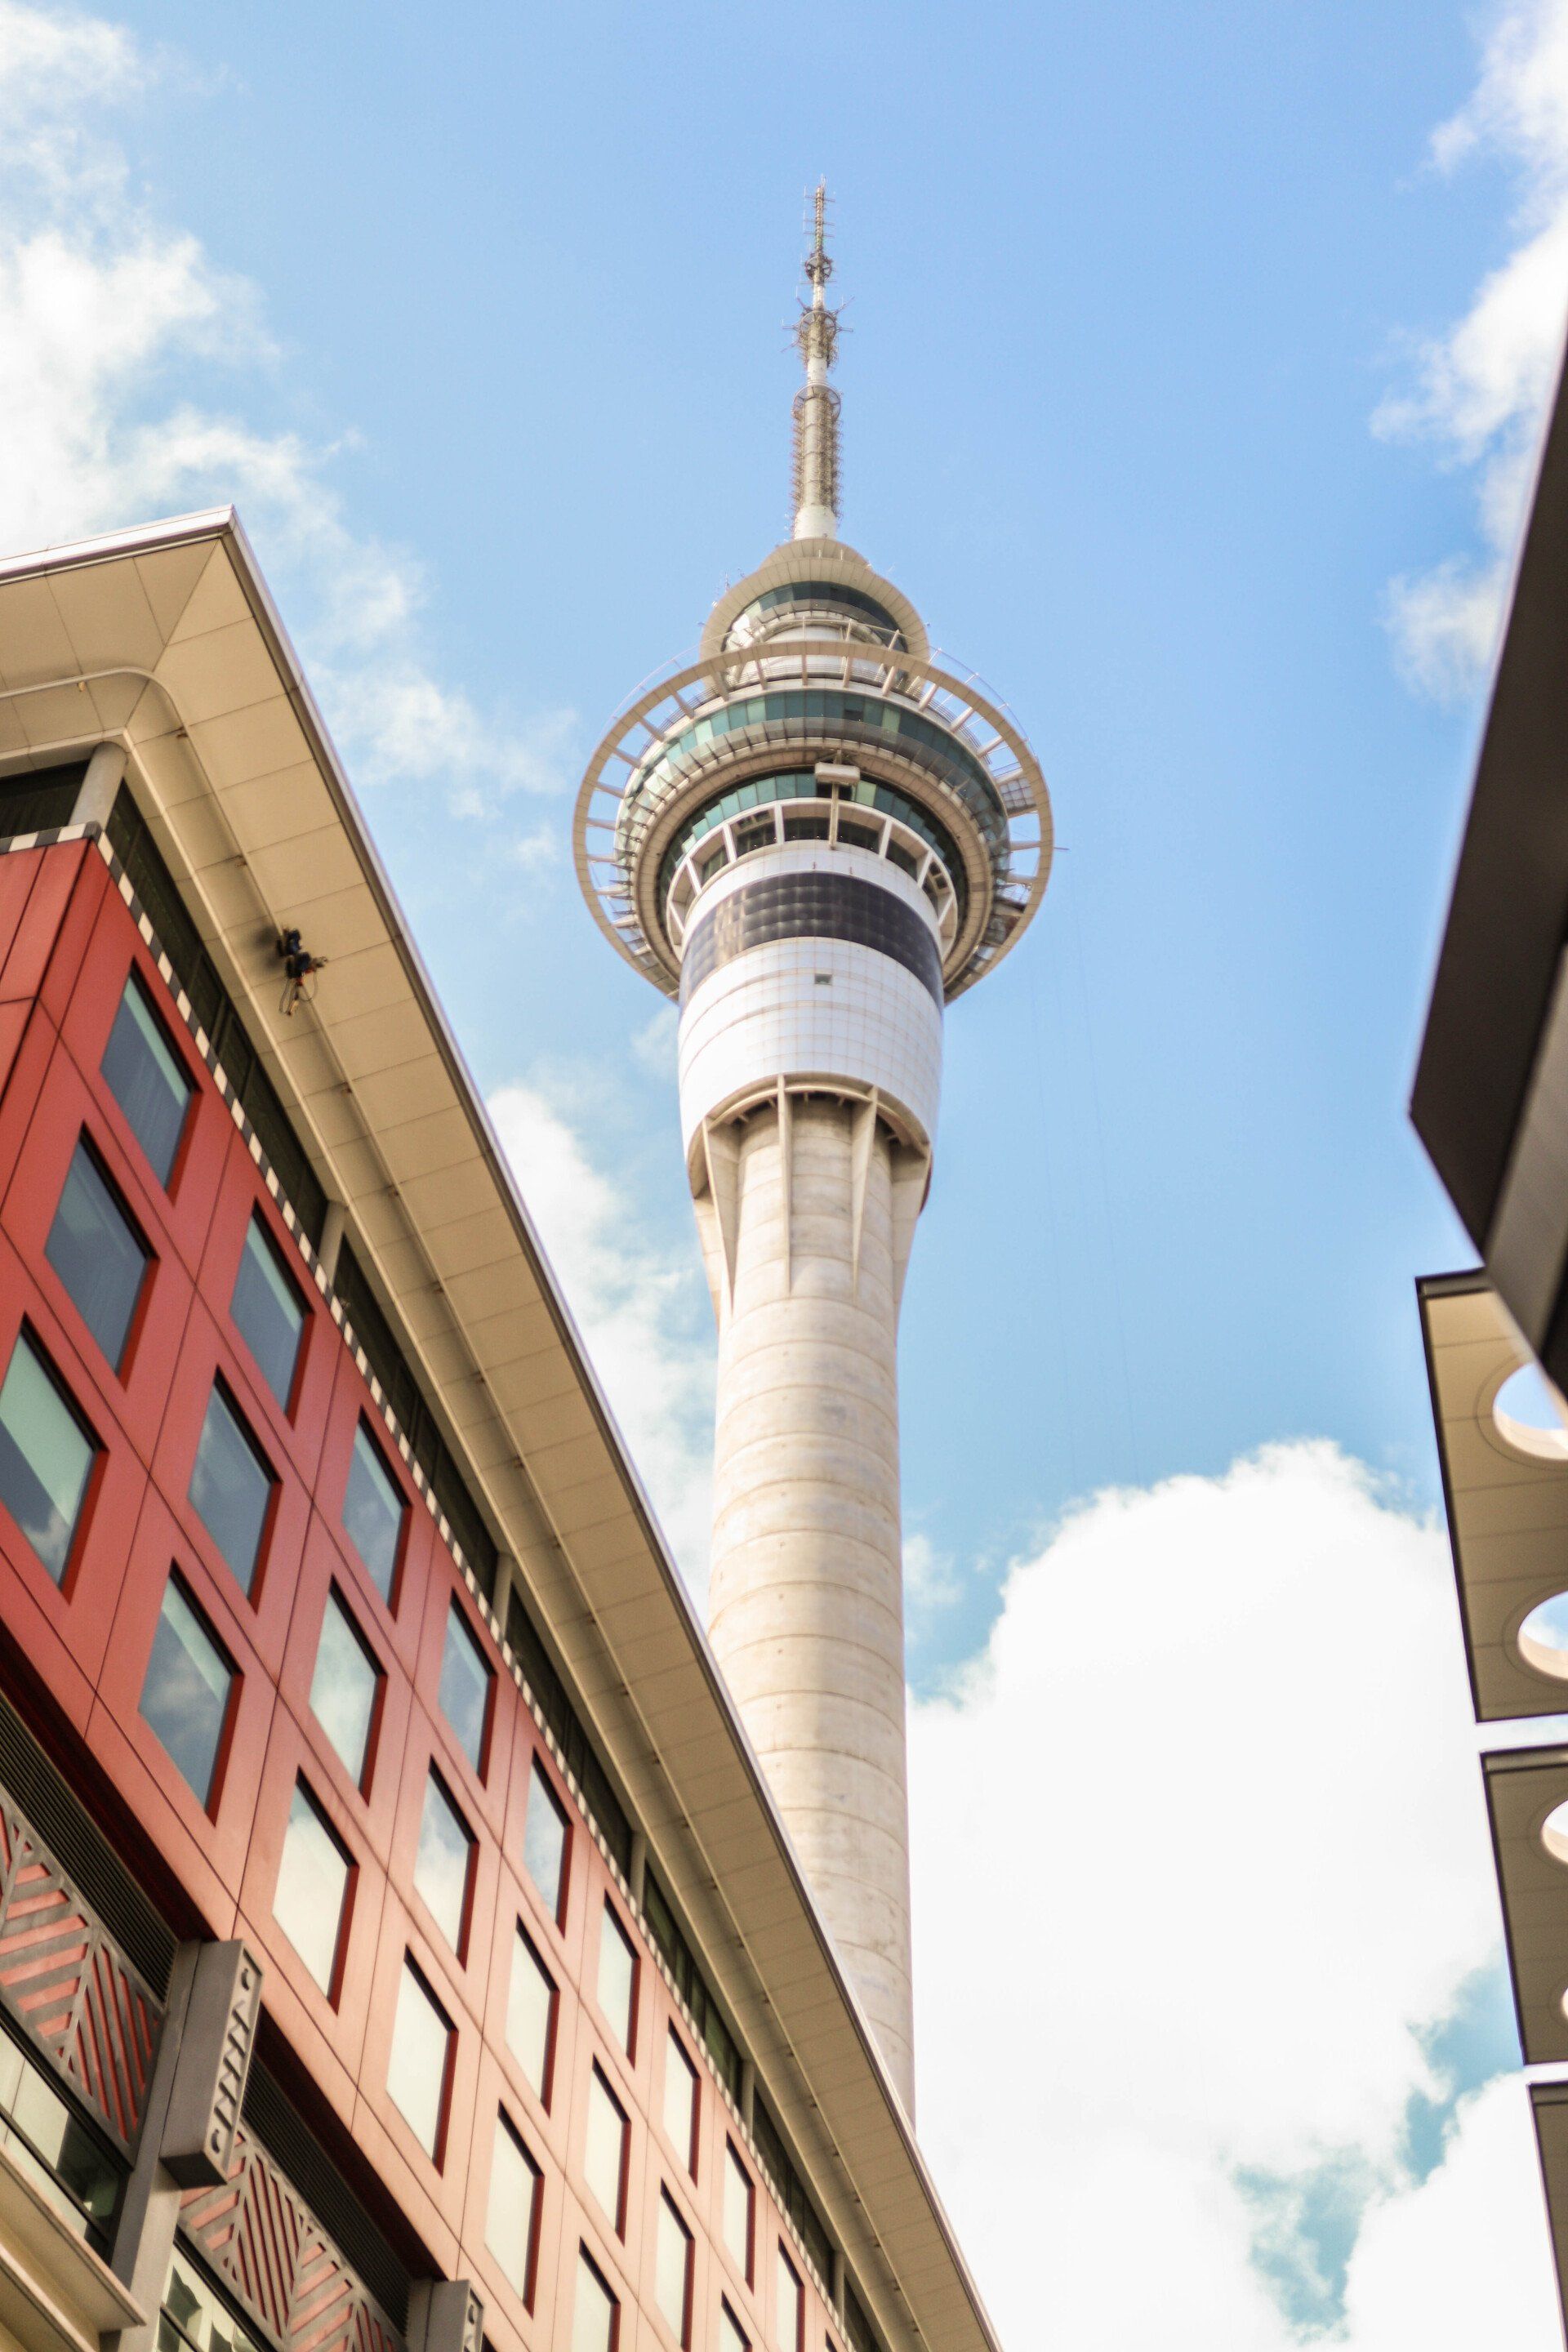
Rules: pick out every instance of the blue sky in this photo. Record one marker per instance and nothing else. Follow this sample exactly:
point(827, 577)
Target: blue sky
point(1126, 287)
point(1195, 358)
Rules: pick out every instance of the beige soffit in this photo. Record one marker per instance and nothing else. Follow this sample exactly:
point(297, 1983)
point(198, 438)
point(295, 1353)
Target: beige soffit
point(56, 2293)
point(167, 639)
point(1507, 1504)
point(1524, 1787)
point(1549, 2105)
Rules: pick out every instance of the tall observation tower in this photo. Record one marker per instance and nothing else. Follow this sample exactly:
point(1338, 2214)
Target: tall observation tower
point(815, 835)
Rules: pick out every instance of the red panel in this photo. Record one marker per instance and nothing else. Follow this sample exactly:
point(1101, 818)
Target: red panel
point(485, 1798)
point(207, 1849)
point(34, 1052)
point(373, 1811)
point(79, 920)
point(114, 947)
point(37, 887)
point(137, 1396)
point(204, 1353)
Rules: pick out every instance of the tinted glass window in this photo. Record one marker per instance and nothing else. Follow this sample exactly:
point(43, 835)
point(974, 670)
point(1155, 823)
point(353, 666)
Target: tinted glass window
point(190, 1680)
point(531, 2015)
point(672, 2272)
point(789, 2314)
point(345, 1688)
point(147, 1080)
point(195, 2315)
point(442, 1865)
point(544, 1842)
point(604, 2150)
point(617, 1979)
point(466, 1682)
point(416, 2071)
point(511, 2224)
point(46, 1458)
point(680, 2100)
point(42, 2137)
point(231, 1488)
point(313, 1883)
point(98, 1253)
point(594, 2313)
point(373, 1512)
point(267, 1312)
point(738, 2211)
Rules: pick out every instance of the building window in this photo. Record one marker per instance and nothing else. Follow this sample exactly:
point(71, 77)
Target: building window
point(148, 1080)
point(672, 2271)
point(267, 1311)
point(511, 2226)
point(193, 2319)
point(346, 1689)
point(739, 2200)
point(189, 1692)
point(466, 1684)
point(595, 2314)
point(98, 1253)
point(681, 2103)
point(732, 2337)
point(232, 1487)
point(605, 2145)
point(531, 2017)
point(60, 2156)
point(373, 1512)
point(544, 1842)
point(420, 2061)
point(47, 1457)
point(444, 1864)
point(313, 1881)
point(617, 1979)
point(790, 2308)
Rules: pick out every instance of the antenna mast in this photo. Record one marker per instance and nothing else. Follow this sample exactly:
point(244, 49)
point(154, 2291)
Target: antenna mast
point(816, 404)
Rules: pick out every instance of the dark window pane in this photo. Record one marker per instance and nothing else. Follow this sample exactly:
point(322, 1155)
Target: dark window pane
point(442, 1863)
point(312, 1880)
point(98, 1253)
point(544, 1842)
point(416, 2072)
point(143, 1074)
point(373, 1511)
point(46, 1458)
point(343, 1687)
point(268, 1313)
point(464, 1686)
point(187, 1694)
point(42, 2136)
point(230, 1488)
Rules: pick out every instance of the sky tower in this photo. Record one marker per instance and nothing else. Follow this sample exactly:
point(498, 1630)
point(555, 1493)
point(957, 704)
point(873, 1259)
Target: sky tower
point(814, 836)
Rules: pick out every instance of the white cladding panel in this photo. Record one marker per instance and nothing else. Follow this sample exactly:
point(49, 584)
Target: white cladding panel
point(810, 1008)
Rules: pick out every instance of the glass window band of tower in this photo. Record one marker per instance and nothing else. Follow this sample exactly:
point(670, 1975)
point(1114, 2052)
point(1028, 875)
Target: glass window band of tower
point(799, 784)
point(821, 595)
point(863, 718)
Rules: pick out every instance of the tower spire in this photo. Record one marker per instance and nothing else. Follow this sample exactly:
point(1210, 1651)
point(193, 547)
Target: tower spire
point(816, 404)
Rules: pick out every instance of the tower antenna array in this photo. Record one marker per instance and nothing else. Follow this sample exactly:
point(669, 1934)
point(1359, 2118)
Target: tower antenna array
point(816, 404)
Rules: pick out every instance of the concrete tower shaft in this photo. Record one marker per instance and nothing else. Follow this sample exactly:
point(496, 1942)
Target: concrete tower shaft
point(813, 834)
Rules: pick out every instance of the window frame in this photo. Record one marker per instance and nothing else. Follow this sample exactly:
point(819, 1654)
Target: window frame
point(224, 1750)
point(545, 2093)
point(727, 2310)
point(677, 2053)
point(411, 1969)
point(169, 1185)
point(539, 1774)
point(610, 1919)
point(586, 2263)
point(525, 2294)
point(391, 1600)
point(435, 1781)
point(667, 2204)
point(119, 1366)
point(735, 2163)
point(332, 1988)
point(460, 1623)
point(257, 1224)
point(782, 2265)
point(251, 1592)
point(618, 2219)
point(335, 1593)
point(91, 1486)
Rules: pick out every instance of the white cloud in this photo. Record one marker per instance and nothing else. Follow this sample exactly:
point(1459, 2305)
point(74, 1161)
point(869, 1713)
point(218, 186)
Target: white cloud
point(1199, 1856)
point(1481, 385)
point(100, 304)
point(643, 1311)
